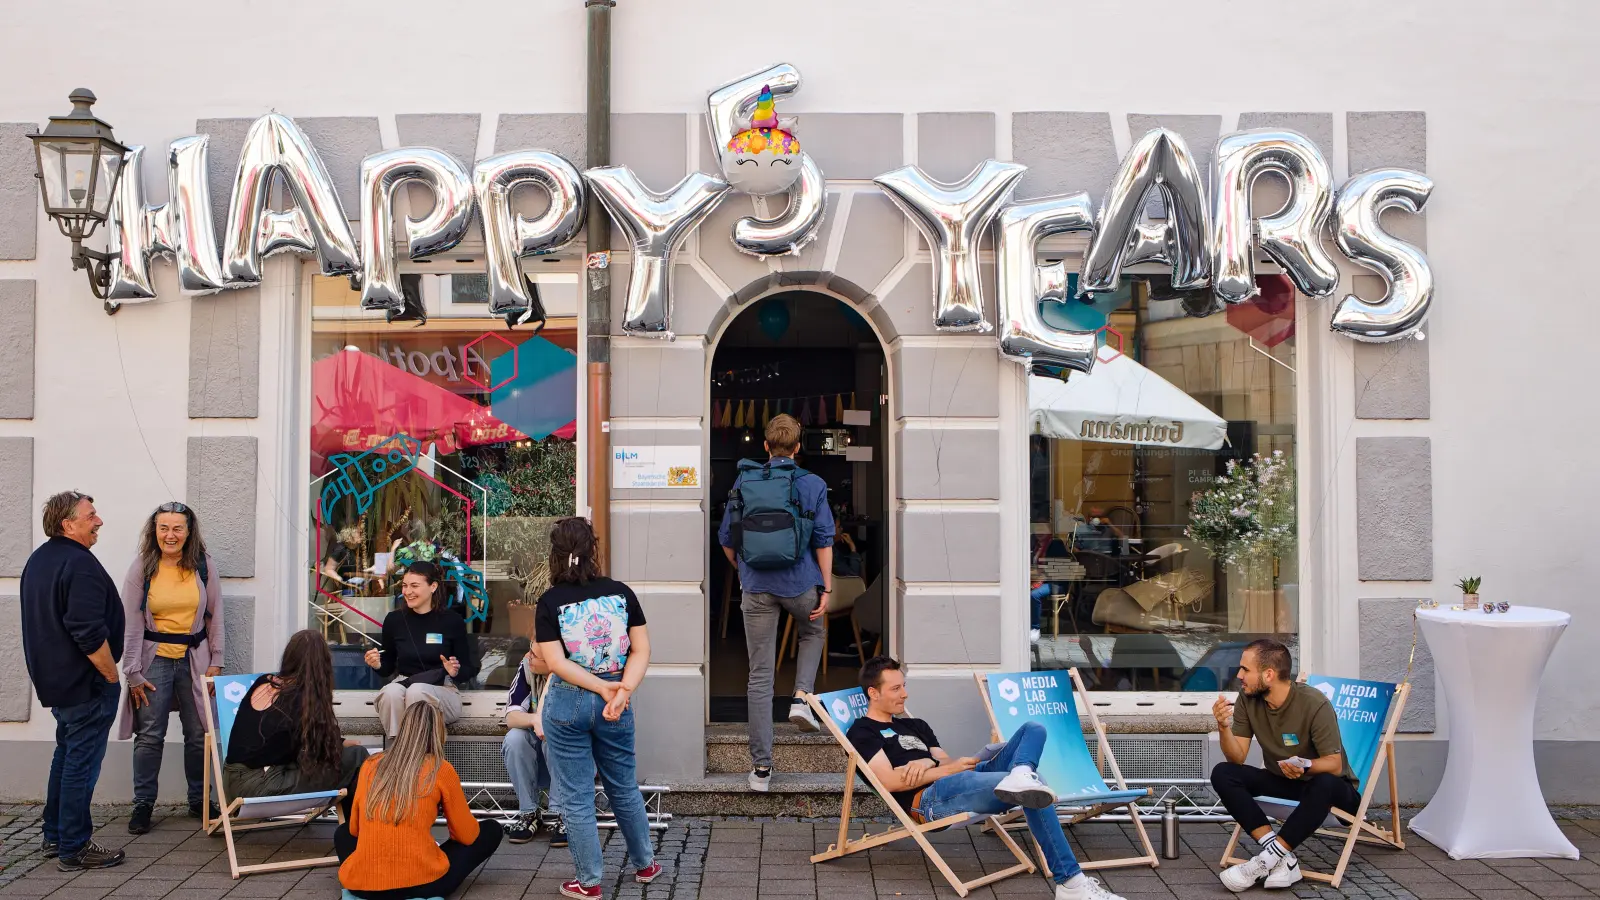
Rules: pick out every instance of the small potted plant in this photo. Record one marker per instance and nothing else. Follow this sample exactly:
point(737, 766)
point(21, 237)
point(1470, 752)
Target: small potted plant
point(1469, 591)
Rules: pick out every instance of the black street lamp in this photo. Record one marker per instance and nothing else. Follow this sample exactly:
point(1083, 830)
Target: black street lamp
point(79, 161)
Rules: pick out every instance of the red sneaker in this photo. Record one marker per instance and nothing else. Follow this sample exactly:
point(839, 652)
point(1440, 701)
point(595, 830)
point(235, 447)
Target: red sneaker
point(578, 892)
point(647, 874)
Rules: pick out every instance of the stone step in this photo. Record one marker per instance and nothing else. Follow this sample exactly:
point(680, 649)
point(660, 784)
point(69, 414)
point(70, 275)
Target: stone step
point(806, 795)
point(728, 750)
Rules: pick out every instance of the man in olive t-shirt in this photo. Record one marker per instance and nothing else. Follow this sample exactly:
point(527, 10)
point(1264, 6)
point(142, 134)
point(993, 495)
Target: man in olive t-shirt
point(1305, 762)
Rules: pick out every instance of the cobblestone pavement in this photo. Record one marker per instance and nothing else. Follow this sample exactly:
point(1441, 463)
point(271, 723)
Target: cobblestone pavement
point(731, 859)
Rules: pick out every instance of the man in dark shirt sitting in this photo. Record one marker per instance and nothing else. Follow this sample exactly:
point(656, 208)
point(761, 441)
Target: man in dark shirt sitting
point(906, 757)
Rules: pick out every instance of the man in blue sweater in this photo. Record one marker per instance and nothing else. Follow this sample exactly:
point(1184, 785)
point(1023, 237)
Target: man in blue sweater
point(72, 626)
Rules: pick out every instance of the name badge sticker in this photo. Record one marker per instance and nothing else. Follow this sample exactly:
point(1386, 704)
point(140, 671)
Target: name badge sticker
point(1291, 740)
point(435, 637)
point(887, 732)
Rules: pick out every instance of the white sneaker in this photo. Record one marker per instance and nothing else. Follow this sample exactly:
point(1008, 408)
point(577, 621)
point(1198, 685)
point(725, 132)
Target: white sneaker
point(1023, 788)
point(1244, 876)
point(761, 780)
point(1082, 887)
point(1285, 873)
point(800, 717)
point(1033, 635)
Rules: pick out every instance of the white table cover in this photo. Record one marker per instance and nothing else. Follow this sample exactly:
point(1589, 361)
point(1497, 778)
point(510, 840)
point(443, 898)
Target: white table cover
point(1489, 804)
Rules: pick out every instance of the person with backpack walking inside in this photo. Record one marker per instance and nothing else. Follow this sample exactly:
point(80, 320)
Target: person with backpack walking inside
point(172, 601)
point(778, 530)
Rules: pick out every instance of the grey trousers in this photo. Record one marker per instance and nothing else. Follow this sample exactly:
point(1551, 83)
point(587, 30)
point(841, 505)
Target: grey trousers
point(392, 701)
point(761, 636)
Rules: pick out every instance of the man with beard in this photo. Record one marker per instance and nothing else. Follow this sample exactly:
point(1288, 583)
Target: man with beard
point(1305, 762)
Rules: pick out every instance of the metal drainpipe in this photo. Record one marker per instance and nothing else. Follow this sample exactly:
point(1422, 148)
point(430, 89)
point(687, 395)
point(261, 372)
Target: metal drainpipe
point(598, 280)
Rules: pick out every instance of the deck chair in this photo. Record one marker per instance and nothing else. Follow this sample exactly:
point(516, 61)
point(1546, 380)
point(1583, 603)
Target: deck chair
point(228, 691)
point(836, 711)
point(1369, 713)
point(1011, 698)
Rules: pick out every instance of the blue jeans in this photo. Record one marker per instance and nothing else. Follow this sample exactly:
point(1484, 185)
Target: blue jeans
point(81, 735)
point(1036, 605)
point(578, 740)
point(525, 763)
point(173, 684)
point(973, 792)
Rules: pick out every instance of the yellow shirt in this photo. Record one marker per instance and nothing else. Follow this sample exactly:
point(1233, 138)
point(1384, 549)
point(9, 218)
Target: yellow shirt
point(174, 600)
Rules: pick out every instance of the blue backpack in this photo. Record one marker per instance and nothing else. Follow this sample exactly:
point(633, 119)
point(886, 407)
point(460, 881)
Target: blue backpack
point(769, 528)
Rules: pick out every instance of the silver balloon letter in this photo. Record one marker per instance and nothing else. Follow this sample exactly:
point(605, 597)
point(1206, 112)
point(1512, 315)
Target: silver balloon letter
point(509, 235)
point(1403, 267)
point(656, 225)
point(317, 223)
point(1022, 283)
point(1292, 235)
point(1160, 160)
point(952, 217)
point(728, 111)
point(180, 227)
point(441, 229)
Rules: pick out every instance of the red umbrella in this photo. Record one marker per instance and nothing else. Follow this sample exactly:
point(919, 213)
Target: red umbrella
point(1269, 316)
point(358, 401)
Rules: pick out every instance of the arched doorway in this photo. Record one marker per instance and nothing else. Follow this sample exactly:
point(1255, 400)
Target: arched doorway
point(812, 356)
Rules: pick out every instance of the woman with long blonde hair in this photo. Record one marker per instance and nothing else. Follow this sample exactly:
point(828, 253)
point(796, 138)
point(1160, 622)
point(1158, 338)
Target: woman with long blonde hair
point(386, 850)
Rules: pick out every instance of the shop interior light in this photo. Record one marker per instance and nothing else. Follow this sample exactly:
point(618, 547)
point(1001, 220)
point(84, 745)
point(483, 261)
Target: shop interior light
point(79, 161)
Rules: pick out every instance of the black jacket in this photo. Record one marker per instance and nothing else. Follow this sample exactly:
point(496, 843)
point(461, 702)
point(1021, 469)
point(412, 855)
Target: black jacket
point(412, 644)
point(70, 607)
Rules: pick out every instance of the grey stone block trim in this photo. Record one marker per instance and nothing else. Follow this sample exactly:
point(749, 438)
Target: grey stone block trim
point(648, 377)
point(945, 463)
point(654, 145)
point(222, 164)
point(17, 510)
point(855, 146)
point(17, 311)
point(658, 540)
point(813, 257)
point(225, 355)
point(1392, 379)
point(948, 700)
point(221, 487)
point(1318, 126)
point(951, 626)
point(951, 376)
point(677, 616)
point(1376, 140)
point(671, 709)
point(19, 192)
point(950, 145)
point(563, 133)
point(1065, 152)
point(16, 690)
point(714, 244)
point(1394, 508)
point(954, 542)
point(239, 634)
point(454, 133)
point(1388, 630)
point(342, 142)
point(874, 240)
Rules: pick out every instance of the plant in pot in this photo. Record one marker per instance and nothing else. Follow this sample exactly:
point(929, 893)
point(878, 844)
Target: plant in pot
point(1469, 591)
point(1246, 520)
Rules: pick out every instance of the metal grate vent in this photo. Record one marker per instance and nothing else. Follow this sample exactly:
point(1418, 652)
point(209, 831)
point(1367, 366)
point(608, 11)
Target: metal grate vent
point(1155, 758)
point(480, 760)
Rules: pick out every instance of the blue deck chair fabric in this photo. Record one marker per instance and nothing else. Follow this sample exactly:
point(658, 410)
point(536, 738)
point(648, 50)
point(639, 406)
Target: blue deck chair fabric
point(231, 691)
point(1047, 698)
point(1362, 708)
point(845, 706)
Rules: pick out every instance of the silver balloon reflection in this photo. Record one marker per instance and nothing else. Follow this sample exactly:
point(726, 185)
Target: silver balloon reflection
point(952, 217)
point(796, 227)
point(656, 225)
point(732, 103)
point(317, 225)
point(181, 227)
point(1404, 269)
point(1022, 283)
point(1292, 235)
point(442, 228)
point(509, 235)
point(1160, 160)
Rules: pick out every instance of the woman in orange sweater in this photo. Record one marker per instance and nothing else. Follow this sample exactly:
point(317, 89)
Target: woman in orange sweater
point(386, 851)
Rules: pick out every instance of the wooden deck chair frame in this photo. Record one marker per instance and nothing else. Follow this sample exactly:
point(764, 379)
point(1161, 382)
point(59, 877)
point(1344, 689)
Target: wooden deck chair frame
point(1072, 816)
point(213, 769)
point(908, 827)
point(1356, 826)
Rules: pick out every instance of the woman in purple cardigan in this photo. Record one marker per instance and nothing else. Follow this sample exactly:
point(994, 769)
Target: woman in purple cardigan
point(173, 601)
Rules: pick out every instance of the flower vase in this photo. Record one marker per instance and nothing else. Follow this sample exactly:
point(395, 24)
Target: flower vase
point(1469, 601)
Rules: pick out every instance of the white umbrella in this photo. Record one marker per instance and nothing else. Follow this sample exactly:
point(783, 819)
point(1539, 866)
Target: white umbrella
point(1122, 402)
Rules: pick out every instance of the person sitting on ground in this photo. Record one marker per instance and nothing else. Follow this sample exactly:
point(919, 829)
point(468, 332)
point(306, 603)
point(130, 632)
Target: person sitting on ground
point(523, 750)
point(386, 850)
point(285, 737)
point(1305, 761)
point(906, 757)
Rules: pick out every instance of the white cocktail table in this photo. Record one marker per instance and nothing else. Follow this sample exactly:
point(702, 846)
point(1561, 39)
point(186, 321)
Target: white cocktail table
point(1489, 804)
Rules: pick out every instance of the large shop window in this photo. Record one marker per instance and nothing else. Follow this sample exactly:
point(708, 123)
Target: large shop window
point(452, 441)
point(1163, 490)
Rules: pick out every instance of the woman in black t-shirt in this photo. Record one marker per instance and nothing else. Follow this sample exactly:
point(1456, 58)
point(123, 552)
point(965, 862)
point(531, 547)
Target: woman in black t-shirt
point(425, 644)
point(591, 633)
point(285, 737)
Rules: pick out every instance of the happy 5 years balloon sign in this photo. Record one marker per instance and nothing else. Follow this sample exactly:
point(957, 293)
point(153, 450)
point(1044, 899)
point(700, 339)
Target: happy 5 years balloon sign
point(1210, 240)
